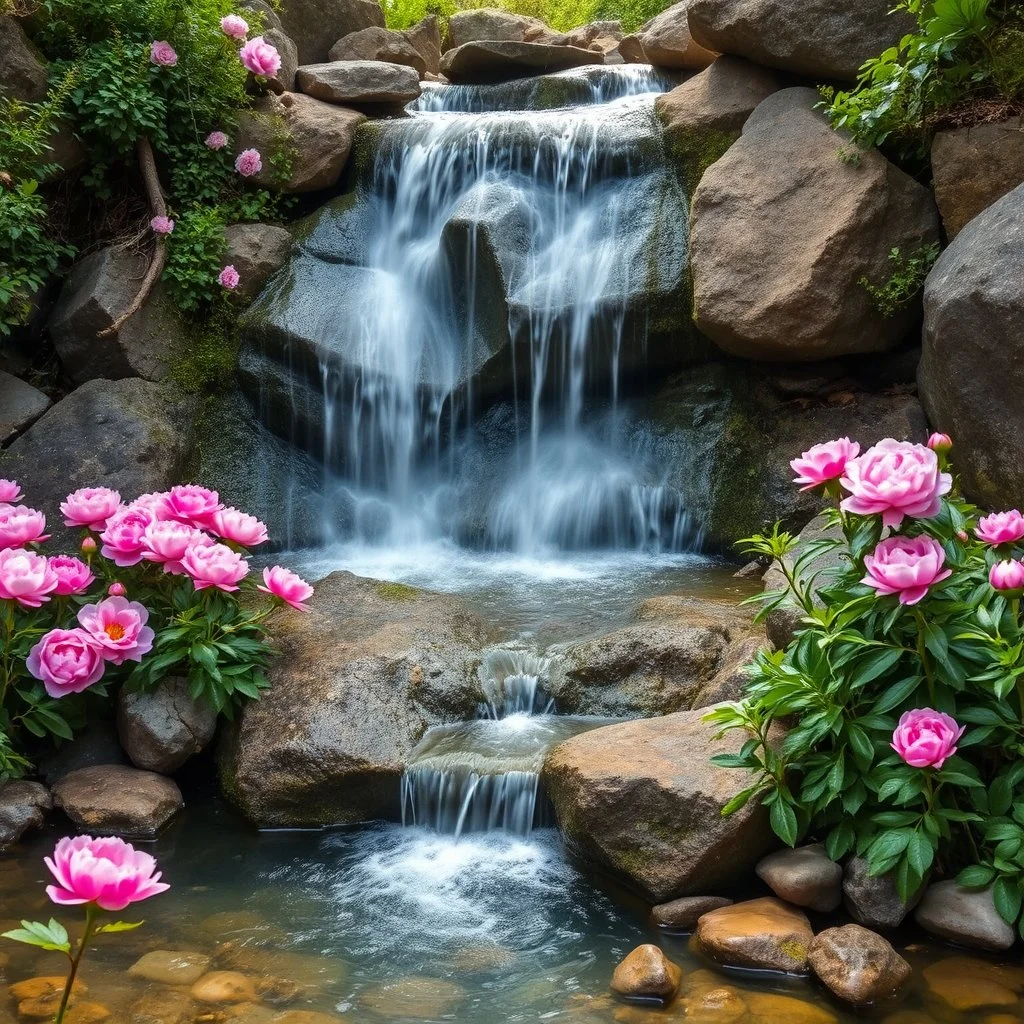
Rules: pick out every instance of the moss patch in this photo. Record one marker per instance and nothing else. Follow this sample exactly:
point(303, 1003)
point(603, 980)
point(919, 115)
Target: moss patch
point(694, 150)
point(210, 355)
point(397, 592)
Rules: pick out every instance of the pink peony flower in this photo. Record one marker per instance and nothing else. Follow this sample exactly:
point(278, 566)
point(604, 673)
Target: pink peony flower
point(118, 629)
point(123, 536)
point(26, 577)
point(239, 527)
point(214, 565)
point(1001, 528)
point(286, 586)
point(1007, 577)
point(108, 872)
point(216, 140)
point(10, 492)
point(193, 504)
point(824, 462)
point(260, 57)
point(162, 54)
point(73, 575)
point(90, 507)
point(162, 225)
point(895, 479)
point(67, 661)
point(20, 524)
point(157, 504)
point(117, 589)
point(907, 566)
point(229, 277)
point(942, 444)
point(924, 738)
point(249, 163)
point(234, 26)
point(166, 542)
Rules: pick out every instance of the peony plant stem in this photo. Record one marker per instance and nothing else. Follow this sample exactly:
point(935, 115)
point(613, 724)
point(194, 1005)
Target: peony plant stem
point(90, 924)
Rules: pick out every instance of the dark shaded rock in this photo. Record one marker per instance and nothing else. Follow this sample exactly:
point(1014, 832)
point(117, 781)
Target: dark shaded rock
point(20, 406)
point(646, 973)
point(425, 36)
point(495, 61)
point(359, 82)
point(273, 32)
point(642, 799)
point(316, 25)
point(684, 913)
point(763, 934)
point(873, 900)
point(806, 876)
point(667, 42)
point(23, 805)
point(822, 223)
point(96, 744)
point(329, 741)
point(23, 73)
point(857, 965)
point(111, 799)
point(382, 44)
point(963, 916)
point(816, 38)
point(162, 728)
point(256, 251)
point(972, 371)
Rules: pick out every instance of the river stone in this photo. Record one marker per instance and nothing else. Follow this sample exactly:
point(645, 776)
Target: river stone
point(781, 197)
point(817, 38)
point(681, 653)
point(857, 964)
point(306, 1017)
point(763, 934)
point(642, 799)
point(328, 742)
point(775, 1008)
point(965, 983)
point(806, 876)
point(359, 82)
point(23, 805)
point(171, 967)
point(273, 32)
point(415, 998)
point(318, 135)
point(20, 406)
point(224, 987)
point(23, 74)
point(684, 913)
point(162, 1006)
point(490, 24)
point(972, 370)
point(873, 900)
point(646, 973)
point(497, 61)
point(667, 41)
point(161, 729)
point(966, 917)
point(256, 251)
point(425, 36)
point(316, 25)
point(111, 799)
point(381, 44)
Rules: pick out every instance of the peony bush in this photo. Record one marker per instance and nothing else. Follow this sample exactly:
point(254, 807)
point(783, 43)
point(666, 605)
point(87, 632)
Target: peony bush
point(901, 697)
point(162, 585)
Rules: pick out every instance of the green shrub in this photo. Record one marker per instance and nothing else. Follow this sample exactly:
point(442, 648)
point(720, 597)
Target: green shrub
point(906, 281)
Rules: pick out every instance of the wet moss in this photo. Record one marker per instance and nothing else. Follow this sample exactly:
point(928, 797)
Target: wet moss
point(397, 592)
point(209, 356)
point(694, 150)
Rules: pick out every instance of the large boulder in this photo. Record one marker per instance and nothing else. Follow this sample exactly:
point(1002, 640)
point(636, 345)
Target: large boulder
point(781, 197)
point(316, 25)
point(426, 37)
point(23, 805)
point(273, 32)
point(256, 251)
point(490, 61)
point(667, 41)
point(328, 742)
point(817, 38)
point(490, 24)
point(111, 799)
point(20, 406)
point(642, 799)
point(973, 167)
point(384, 44)
point(23, 74)
point(360, 82)
point(317, 137)
point(681, 653)
point(972, 370)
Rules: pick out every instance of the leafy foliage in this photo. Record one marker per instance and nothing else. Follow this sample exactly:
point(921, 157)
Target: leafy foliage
point(902, 287)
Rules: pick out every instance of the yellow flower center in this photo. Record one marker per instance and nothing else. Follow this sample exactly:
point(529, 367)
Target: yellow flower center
point(114, 630)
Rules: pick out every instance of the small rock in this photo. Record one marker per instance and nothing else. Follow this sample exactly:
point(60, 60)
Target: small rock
point(762, 934)
point(22, 806)
point(773, 1008)
point(806, 876)
point(414, 997)
point(306, 1017)
point(85, 1013)
point(857, 964)
point(872, 900)
point(646, 973)
point(171, 967)
point(224, 987)
point(256, 251)
point(965, 983)
point(359, 82)
point(713, 1003)
point(631, 50)
point(20, 405)
point(113, 799)
point(44, 988)
point(278, 991)
point(960, 915)
point(683, 914)
point(162, 1006)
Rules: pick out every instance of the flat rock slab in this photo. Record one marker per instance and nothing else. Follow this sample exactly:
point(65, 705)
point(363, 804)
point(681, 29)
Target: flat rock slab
point(171, 967)
point(857, 964)
point(496, 61)
point(806, 877)
point(359, 81)
point(20, 406)
point(112, 799)
point(763, 934)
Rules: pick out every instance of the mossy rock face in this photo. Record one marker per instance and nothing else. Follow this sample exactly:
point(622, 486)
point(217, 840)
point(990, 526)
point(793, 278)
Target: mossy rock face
point(693, 150)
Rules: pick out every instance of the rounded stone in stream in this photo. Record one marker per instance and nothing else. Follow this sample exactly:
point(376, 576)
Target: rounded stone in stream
point(968, 917)
point(763, 934)
point(419, 998)
point(857, 964)
point(22, 806)
point(684, 913)
point(162, 1006)
point(806, 876)
point(872, 900)
point(646, 973)
point(965, 983)
point(224, 987)
point(111, 799)
point(171, 967)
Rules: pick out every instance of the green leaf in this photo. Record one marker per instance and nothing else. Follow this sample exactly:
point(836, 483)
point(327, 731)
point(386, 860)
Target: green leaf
point(874, 666)
point(52, 936)
point(1006, 895)
point(920, 853)
point(119, 926)
point(977, 876)
point(783, 822)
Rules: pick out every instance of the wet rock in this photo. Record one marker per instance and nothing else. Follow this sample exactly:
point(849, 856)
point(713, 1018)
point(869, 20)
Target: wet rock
point(413, 997)
point(646, 973)
point(966, 917)
point(273, 32)
point(965, 983)
point(224, 987)
point(762, 934)
point(96, 744)
point(667, 41)
point(359, 83)
point(23, 73)
point(857, 964)
point(316, 25)
point(497, 61)
point(806, 876)
point(380, 44)
point(773, 1008)
point(306, 1017)
point(401, 659)
point(161, 729)
point(489, 24)
point(824, 223)
point(642, 799)
point(318, 136)
point(171, 967)
point(20, 406)
point(816, 38)
point(162, 1006)
point(481, 959)
point(23, 805)
point(684, 913)
point(425, 36)
point(278, 991)
point(873, 901)
point(712, 1002)
point(971, 372)
point(244, 952)
point(114, 800)
point(256, 251)
point(44, 988)
point(974, 167)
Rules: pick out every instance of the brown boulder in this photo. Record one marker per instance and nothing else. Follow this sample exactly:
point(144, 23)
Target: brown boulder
point(425, 36)
point(631, 50)
point(224, 987)
point(684, 913)
point(490, 24)
point(111, 799)
point(316, 25)
point(256, 251)
point(667, 42)
point(382, 44)
point(170, 967)
point(360, 82)
point(857, 964)
point(965, 983)
point(646, 973)
point(415, 998)
point(807, 877)
point(763, 934)
point(488, 61)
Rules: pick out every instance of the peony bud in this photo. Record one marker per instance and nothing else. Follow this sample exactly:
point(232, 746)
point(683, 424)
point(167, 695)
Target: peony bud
point(88, 546)
point(1008, 578)
point(940, 443)
point(117, 589)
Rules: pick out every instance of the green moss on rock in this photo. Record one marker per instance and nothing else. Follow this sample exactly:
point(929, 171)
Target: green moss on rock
point(397, 592)
point(694, 150)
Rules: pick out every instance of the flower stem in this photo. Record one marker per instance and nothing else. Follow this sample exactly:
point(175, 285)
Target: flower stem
point(90, 924)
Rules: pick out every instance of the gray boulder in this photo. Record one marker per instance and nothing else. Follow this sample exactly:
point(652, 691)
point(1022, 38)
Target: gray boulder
point(489, 61)
point(382, 44)
point(161, 729)
point(256, 251)
point(23, 73)
point(684, 913)
point(667, 41)
point(781, 197)
point(360, 82)
point(20, 406)
point(966, 917)
point(316, 25)
point(806, 876)
point(643, 800)
point(328, 743)
point(23, 805)
point(111, 799)
point(490, 24)
point(972, 370)
point(273, 32)
point(425, 36)
point(872, 900)
point(816, 38)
